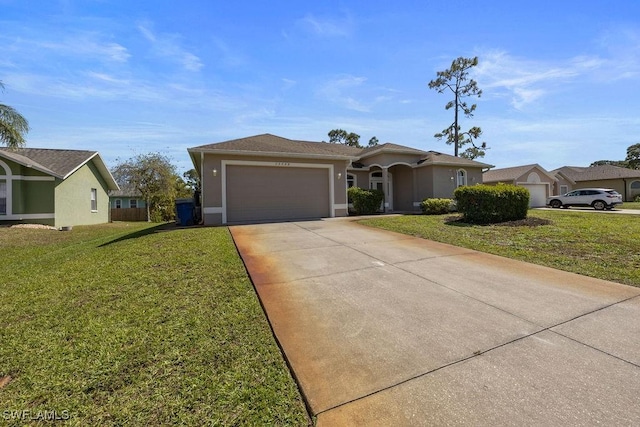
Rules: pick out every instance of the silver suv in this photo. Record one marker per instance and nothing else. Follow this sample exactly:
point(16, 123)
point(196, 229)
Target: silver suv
point(598, 198)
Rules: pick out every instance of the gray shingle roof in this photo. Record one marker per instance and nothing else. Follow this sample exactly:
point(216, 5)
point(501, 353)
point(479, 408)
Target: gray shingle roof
point(390, 147)
point(594, 173)
point(58, 163)
point(272, 144)
point(510, 174)
point(436, 158)
point(267, 143)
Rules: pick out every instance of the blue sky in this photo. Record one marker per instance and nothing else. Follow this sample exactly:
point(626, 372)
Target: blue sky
point(560, 79)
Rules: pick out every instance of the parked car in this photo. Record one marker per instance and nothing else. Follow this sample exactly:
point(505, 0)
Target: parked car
point(598, 198)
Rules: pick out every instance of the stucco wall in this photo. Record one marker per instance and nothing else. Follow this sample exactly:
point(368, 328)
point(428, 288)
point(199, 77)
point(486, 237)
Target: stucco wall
point(73, 198)
point(386, 159)
point(402, 188)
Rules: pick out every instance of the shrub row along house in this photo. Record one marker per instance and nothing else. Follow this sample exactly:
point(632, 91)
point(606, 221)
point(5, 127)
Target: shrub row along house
point(270, 178)
point(54, 187)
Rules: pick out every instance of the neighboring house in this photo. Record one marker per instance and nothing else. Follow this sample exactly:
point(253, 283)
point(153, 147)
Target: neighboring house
point(624, 181)
point(54, 187)
point(127, 205)
point(270, 178)
point(534, 178)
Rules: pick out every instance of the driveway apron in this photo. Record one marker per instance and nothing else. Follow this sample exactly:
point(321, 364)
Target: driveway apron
point(381, 328)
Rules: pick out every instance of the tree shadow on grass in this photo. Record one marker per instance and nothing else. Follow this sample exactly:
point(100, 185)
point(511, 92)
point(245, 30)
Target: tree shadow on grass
point(529, 221)
point(169, 226)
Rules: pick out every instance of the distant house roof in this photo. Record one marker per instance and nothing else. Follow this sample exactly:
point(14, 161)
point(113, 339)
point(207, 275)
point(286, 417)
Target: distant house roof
point(512, 173)
point(595, 173)
point(58, 163)
point(272, 145)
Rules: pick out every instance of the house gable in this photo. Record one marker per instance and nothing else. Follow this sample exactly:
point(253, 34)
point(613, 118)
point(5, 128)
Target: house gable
point(35, 181)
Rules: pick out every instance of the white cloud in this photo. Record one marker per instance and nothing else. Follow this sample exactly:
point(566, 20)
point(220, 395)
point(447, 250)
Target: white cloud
point(339, 91)
point(525, 81)
point(326, 27)
point(169, 46)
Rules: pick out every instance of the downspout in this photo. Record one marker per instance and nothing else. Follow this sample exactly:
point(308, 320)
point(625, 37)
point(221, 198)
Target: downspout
point(201, 188)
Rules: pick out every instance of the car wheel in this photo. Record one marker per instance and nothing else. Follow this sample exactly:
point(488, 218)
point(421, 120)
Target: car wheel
point(555, 204)
point(599, 205)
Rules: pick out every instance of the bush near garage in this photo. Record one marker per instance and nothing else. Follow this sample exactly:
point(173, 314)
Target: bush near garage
point(487, 204)
point(436, 206)
point(365, 202)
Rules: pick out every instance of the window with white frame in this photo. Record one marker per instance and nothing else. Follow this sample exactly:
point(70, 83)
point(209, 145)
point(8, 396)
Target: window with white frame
point(461, 177)
point(351, 180)
point(94, 200)
point(133, 203)
point(3, 198)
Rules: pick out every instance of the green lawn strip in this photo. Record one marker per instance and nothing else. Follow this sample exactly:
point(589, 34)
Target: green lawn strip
point(160, 329)
point(600, 245)
point(630, 205)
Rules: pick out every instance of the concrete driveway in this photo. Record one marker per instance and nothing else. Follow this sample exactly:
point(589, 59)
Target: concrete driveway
point(386, 329)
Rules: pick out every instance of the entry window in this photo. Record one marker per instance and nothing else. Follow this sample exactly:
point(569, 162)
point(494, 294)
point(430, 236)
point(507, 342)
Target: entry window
point(133, 203)
point(635, 185)
point(462, 177)
point(351, 180)
point(94, 200)
point(118, 203)
point(3, 198)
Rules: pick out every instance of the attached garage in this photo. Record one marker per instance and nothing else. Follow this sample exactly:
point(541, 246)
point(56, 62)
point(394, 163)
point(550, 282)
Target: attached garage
point(538, 194)
point(275, 191)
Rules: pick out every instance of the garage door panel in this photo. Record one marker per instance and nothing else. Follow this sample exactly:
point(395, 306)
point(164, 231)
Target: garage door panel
point(538, 194)
point(263, 193)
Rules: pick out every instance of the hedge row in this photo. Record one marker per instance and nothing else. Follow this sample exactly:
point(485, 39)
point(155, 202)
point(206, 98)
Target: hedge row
point(437, 206)
point(485, 204)
point(365, 202)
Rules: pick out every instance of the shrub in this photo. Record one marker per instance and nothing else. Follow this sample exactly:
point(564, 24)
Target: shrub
point(436, 206)
point(637, 199)
point(365, 201)
point(485, 204)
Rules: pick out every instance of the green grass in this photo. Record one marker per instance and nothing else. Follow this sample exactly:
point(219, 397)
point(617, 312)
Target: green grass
point(630, 205)
point(129, 324)
point(600, 245)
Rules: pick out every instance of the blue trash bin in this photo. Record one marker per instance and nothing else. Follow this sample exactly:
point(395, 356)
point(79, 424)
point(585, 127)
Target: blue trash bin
point(185, 209)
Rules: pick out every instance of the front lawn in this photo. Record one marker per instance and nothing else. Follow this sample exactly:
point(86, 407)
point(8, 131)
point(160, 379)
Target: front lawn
point(600, 245)
point(630, 205)
point(135, 324)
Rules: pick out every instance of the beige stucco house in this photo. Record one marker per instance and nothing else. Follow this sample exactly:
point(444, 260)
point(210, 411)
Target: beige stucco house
point(270, 178)
point(534, 178)
point(624, 181)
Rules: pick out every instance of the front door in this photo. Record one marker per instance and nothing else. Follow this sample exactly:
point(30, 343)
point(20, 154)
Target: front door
point(376, 182)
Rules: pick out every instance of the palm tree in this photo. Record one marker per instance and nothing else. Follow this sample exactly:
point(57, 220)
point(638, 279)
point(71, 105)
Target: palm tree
point(12, 126)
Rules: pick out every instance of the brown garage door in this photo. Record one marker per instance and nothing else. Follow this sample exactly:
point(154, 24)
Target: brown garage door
point(263, 193)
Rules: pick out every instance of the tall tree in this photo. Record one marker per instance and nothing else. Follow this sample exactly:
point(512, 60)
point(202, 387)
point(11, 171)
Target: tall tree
point(633, 156)
point(192, 179)
point(13, 126)
point(456, 80)
point(341, 136)
point(155, 178)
